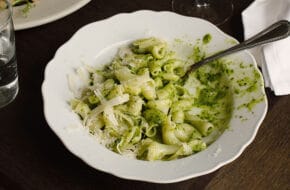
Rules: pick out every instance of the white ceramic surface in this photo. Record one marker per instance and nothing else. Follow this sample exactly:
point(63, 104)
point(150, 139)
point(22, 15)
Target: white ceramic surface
point(97, 42)
point(44, 12)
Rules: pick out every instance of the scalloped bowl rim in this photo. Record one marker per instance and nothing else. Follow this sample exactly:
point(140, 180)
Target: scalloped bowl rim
point(138, 175)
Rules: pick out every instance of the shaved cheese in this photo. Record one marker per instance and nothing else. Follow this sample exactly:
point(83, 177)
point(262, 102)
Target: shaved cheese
point(109, 112)
point(83, 74)
point(113, 102)
point(124, 51)
point(99, 95)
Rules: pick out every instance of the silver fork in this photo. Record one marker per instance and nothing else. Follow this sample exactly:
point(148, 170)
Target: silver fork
point(276, 31)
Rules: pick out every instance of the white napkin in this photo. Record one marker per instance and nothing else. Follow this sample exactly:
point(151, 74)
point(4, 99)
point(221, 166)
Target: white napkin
point(274, 58)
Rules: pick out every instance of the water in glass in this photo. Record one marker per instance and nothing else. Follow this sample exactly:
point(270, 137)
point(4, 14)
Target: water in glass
point(8, 65)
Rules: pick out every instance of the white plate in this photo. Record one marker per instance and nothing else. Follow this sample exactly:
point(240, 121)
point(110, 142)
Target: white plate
point(44, 12)
point(97, 42)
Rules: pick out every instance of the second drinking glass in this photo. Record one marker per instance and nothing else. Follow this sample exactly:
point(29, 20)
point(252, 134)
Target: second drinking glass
point(215, 11)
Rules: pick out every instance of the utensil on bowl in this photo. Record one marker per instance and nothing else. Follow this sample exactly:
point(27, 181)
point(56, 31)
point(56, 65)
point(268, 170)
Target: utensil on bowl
point(276, 31)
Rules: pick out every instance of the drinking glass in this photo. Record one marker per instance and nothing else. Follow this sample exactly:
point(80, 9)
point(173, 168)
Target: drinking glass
point(8, 64)
point(215, 11)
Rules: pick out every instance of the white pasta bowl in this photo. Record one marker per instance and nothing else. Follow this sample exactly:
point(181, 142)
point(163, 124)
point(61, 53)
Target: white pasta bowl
point(97, 43)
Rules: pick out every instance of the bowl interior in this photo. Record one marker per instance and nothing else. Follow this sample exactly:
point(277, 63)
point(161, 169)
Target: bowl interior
point(98, 42)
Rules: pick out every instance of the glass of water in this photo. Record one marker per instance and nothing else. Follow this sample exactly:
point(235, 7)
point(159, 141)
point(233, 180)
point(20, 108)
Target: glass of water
point(8, 64)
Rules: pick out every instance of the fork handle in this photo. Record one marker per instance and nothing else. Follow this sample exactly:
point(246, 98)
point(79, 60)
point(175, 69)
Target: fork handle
point(276, 31)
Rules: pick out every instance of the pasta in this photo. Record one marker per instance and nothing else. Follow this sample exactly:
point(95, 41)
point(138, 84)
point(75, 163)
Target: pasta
point(141, 105)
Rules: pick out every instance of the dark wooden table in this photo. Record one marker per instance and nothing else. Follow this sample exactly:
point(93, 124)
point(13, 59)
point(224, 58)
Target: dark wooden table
point(33, 158)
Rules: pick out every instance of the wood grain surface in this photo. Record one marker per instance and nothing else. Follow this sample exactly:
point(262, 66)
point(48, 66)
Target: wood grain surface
point(33, 158)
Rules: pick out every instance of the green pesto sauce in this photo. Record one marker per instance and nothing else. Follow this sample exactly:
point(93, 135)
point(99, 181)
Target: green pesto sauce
point(154, 115)
point(242, 118)
point(206, 39)
point(220, 86)
point(231, 41)
point(177, 40)
point(248, 84)
point(251, 104)
point(215, 97)
point(197, 54)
